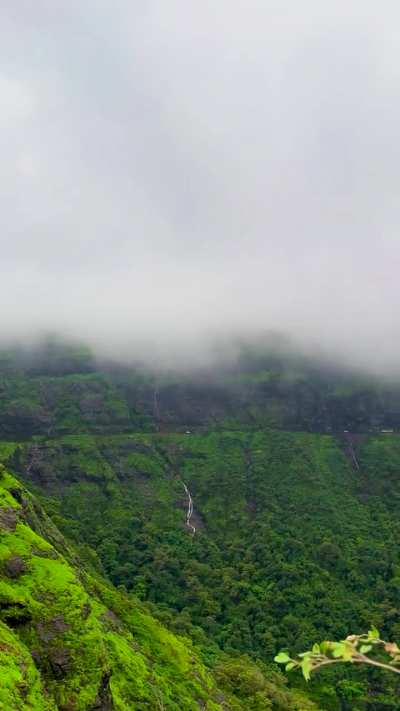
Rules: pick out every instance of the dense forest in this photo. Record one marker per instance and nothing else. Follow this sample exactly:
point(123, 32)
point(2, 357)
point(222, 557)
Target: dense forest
point(296, 502)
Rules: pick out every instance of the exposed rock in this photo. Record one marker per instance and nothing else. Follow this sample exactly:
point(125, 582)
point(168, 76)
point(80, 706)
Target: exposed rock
point(52, 628)
point(104, 700)
point(19, 496)
point(15, 566)
point(15, 614)
point(9, 518)
point(60, 661)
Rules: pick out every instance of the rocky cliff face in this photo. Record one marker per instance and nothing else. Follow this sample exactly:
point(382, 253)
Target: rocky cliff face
point(55, 393)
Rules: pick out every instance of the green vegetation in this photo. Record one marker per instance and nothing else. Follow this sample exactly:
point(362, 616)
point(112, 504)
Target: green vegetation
point(297, 532)
point(60, 389)
point(354, 649)
point(20, 686)
point(68, 640)
point(287, 549)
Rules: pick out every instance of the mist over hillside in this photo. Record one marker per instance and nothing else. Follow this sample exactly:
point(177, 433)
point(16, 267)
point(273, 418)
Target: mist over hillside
point(176, 177)
point(61, 387)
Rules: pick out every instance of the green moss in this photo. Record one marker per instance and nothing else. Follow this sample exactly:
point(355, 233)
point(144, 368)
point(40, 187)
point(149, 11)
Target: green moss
point(7, 449)
point(66, 618)
point(20, 687)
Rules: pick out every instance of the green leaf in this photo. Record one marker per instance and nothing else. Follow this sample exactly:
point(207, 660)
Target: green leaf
point(365, 648)
point(316, 649)
point(282, 658)
point(348, 653)
point(338, 649)
point(373, 633)
point(290, 666)
point(306, 667)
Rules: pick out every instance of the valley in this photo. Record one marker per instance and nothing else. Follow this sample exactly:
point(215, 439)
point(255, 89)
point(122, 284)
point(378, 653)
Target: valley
point(227, 528)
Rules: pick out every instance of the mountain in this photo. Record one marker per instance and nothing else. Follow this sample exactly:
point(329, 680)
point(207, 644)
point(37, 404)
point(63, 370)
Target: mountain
point(295, 494)
point(56, 390)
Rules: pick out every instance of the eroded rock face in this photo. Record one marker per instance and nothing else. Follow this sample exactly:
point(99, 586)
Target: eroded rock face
point(15, 566)
point(60, 661)
point(15, 614)
point(104, 700)
point(9, 518)
point(19, 496)
point(52, 628)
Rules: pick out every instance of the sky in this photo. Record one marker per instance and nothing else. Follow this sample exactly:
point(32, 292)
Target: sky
point(178, 172)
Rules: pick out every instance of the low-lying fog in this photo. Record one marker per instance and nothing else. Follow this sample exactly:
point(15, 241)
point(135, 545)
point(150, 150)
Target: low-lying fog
point(178, 174)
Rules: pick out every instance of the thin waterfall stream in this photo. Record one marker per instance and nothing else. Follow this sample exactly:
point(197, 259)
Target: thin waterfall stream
point(189, 512)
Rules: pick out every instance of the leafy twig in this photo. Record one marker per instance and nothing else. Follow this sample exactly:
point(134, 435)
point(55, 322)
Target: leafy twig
point(353, 649)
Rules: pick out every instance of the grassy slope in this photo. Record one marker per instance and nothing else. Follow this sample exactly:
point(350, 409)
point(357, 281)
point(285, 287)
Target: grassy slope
point(69, 641)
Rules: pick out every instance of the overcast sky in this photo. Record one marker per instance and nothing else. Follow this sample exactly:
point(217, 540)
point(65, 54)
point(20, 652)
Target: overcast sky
point(172, 170)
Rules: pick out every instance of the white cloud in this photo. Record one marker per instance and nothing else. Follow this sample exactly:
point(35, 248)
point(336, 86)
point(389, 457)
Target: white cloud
point(16, 101)
point(175, 169)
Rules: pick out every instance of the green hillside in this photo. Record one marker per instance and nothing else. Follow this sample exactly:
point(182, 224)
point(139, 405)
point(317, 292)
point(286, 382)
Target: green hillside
point(70, 641)
point(296, 532)
point(57, 390)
